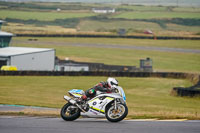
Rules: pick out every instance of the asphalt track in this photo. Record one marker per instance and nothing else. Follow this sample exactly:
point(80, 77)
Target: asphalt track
point(160, 49)
point(10, 124)
point(18, 108)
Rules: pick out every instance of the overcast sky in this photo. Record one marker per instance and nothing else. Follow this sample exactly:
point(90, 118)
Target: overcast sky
point(139, 2)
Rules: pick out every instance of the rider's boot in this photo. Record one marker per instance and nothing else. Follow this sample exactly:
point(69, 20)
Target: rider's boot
point(84, 97)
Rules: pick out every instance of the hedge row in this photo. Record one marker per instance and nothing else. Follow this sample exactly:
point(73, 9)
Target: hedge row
point(192, 77)
point(109, 36)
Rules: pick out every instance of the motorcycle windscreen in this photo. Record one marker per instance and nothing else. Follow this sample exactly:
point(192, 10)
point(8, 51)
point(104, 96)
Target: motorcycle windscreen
point(76, 92)
point(122, 93)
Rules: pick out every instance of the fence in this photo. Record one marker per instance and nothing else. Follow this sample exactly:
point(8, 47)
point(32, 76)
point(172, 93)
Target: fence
point(109, 36)
point(179, 75)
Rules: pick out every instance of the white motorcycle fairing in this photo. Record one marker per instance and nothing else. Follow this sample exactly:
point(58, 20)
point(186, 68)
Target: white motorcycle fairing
point(97, 105)
point(109, 105)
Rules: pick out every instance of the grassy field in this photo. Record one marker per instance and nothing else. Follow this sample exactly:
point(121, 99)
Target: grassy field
point(160, 8)
point(52, 15)
point(16, 28)
point(146, 97)
point(138, 27)
point(157, 15)
point(42, 16)
point(162, 61)
point(103, 28)
point(162, 20)
point(90, 25)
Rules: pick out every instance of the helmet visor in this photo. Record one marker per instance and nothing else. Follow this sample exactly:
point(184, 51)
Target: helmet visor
point(113, 84)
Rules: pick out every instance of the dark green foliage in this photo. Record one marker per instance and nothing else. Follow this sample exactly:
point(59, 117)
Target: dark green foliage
point(187, 22)
point(73, 22)
point(29, 5)
point(99, 18)
point(123, 9)
point(179, 21)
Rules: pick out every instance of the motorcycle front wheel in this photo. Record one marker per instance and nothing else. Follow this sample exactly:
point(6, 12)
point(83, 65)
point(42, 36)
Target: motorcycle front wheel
point(115, 115)
point(70, 112)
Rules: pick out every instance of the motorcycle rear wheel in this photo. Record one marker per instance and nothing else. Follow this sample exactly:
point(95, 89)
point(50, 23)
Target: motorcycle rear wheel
point(113, 115)
point(69, 113)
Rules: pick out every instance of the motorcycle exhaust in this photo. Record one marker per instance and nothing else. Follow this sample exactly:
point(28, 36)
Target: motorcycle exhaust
point(69, 99)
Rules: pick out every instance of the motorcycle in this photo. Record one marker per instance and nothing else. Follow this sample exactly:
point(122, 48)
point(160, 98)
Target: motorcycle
point(110, 105)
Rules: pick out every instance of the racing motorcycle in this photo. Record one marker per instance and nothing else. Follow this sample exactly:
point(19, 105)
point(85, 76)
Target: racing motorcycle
point(110, 105)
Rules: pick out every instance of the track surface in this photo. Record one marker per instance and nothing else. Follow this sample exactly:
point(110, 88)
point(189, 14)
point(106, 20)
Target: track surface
point(18, 108)
point(161, 49)
point(9, 124)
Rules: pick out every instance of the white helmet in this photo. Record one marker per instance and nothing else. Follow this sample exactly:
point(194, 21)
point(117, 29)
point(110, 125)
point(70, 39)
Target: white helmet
point(112, 82)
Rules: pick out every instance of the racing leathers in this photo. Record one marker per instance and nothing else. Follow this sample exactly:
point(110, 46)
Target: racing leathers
point(102, 87)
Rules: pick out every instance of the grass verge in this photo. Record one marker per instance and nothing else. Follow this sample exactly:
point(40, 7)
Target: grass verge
point(146, 97)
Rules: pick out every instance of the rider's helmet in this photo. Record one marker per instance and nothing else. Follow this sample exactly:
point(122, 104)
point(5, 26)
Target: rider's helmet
point(112, 82)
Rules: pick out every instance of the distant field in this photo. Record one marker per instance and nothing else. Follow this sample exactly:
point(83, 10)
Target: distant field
point(138, 27)
point(17, 28)
point(37, 18)
point(160, 8)
point(42, 16)
point(52, 15)
point(144, 8)
point(110, 25)
point(146, 97)
point(157, 15)
point(162, 61)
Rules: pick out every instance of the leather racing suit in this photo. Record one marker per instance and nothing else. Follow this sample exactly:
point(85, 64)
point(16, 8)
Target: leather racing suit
point(102, 86)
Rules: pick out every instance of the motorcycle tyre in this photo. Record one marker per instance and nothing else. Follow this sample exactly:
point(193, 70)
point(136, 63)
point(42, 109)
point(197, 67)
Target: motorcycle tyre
point(118, 119)
point(69, 118)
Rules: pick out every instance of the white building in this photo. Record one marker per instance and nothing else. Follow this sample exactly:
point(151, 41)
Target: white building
point(72, 67)
point(103, 10)
point(37, 59)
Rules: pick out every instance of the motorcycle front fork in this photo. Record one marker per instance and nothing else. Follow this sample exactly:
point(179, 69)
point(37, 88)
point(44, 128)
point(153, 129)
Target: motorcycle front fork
point(115, 104)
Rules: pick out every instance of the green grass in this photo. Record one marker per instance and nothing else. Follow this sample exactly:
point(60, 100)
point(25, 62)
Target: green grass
point(161, 8)
point(144, 8)
point(156, 15)
point(162, 61)
point(185, 44)
point(155, 18)
point(42, 16)
point(137, 27)
point(188, 9)
point(90, 25)
point(149, 97)
point(50, 16)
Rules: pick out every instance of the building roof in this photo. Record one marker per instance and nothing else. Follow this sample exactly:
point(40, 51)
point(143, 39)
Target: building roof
point(105, 8)
point(2, 21)
point(2, 33)
point(13, 51)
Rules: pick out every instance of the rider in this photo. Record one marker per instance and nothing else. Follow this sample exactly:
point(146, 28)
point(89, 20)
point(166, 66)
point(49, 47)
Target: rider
point(107, 87)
